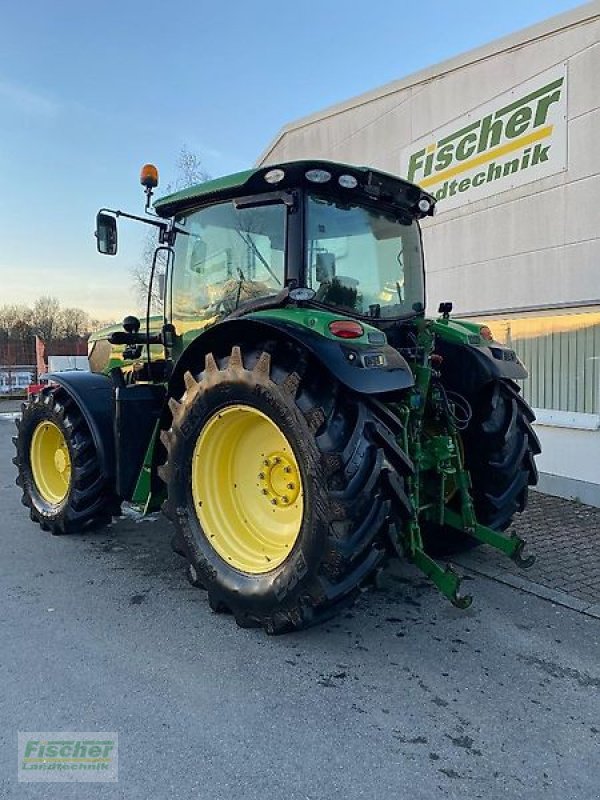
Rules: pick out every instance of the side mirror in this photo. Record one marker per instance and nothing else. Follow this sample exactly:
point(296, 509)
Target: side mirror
point(106, 234)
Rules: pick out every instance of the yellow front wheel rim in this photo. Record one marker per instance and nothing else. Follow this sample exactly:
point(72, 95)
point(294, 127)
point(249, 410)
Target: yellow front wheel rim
point(247, 489)
point(50, 462)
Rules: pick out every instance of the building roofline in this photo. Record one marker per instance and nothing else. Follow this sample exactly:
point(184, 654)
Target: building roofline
point(549, 27)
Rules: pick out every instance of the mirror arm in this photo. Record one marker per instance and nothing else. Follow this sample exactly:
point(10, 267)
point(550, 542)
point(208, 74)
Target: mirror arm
point(157, 223)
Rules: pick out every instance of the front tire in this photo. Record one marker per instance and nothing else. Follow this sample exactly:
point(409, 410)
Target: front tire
point(58, 468)
point(260, 437)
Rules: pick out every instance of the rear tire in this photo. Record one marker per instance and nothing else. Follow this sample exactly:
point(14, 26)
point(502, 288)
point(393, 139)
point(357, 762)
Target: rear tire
point(58, 468)
point(500, 446)
point(351, 474)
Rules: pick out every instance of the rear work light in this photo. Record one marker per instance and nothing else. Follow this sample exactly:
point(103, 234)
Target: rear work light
point(346, 329)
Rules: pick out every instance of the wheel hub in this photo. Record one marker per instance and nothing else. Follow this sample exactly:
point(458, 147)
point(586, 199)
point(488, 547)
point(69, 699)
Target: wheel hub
point(60, 460)
point(279, 480)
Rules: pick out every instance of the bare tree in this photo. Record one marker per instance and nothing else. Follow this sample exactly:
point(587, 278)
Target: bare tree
point(141, 272)
point(74, 322)
point(15, 320)
point(19, 324)
point(189, 172)
point(97, 324)
point(45, 318)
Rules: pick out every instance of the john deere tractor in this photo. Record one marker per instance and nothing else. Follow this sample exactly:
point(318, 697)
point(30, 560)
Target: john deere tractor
point(292, 410)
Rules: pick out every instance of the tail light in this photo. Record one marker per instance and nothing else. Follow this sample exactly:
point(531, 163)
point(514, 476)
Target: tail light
point(346, 329)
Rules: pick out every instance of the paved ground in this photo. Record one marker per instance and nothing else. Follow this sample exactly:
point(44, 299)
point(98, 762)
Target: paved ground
point(565, 537)
point(402, 697)
point(8, 405)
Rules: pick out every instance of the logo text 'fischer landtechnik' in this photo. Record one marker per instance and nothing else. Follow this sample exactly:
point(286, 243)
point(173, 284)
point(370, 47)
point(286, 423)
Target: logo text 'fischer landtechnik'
point(67, 754)
point(521, 125)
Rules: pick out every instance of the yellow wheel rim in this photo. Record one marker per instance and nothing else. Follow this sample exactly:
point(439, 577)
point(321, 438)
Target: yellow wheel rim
point(50, 462)
point(247, 489)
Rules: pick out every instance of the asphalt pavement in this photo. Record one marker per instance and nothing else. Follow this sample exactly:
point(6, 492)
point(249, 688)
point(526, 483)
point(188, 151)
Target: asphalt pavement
point(404, 696)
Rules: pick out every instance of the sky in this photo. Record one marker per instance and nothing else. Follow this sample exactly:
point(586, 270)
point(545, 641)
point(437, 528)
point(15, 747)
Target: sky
point(91, 91)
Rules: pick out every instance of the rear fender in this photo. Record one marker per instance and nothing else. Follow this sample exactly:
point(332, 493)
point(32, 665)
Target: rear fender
point(467, 367)
point(372, 369)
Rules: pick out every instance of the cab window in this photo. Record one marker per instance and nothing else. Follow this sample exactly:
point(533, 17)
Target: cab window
point(225, 257)
point(362, 260)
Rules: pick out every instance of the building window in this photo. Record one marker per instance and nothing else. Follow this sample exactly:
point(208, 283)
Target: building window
point(562, 354)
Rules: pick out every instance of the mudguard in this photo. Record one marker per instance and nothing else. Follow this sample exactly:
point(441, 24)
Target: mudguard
point(365, 369)
point(468, 367)
point(93, 394)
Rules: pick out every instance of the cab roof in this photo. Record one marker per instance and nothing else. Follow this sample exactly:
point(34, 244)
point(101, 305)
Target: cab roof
point(370, 184)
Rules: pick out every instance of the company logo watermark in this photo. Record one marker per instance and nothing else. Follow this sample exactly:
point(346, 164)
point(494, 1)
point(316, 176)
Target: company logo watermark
point(68, 756)
point(517, 138)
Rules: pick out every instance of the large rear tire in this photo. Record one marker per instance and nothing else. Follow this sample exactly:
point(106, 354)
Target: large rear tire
point(58, 468)
point(500, 446)
point(500, 450)
point(280, 487)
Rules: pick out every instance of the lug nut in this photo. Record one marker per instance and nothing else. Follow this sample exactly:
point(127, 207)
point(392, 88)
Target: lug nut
point(266, 462)
point(274, 502)
point(287, 470)
point(285, 499)
point(291, 486)
point(261, 476)
point(265, 491)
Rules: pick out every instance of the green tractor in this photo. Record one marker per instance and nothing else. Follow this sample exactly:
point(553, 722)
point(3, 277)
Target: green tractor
point(292, 411)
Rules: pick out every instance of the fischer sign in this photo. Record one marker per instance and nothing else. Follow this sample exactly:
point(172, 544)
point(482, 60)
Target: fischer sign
point(518, 137)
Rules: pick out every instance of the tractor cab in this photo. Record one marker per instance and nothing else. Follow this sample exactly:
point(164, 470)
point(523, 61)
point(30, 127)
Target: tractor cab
point(335, 236)
point(324, 235)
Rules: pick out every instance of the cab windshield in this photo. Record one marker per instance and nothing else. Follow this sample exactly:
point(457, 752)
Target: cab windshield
point(225, 257)
point(362, 260)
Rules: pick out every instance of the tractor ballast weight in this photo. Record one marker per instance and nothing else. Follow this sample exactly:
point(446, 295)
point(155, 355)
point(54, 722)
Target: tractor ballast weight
point(292, 410)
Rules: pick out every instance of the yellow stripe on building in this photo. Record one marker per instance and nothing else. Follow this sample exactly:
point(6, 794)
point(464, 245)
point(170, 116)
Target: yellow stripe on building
point(489, 155)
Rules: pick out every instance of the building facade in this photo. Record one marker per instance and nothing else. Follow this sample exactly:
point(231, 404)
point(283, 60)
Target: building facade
point(507, 137)
point(14, 380)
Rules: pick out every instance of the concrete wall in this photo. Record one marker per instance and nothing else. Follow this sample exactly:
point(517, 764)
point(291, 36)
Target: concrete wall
point(532, 247)
point(569, 464)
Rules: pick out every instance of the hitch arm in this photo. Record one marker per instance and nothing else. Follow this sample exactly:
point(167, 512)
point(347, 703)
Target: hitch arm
point(446, 580)
point(512, 546)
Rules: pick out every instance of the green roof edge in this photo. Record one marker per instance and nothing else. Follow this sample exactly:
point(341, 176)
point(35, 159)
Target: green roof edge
point(215, 186)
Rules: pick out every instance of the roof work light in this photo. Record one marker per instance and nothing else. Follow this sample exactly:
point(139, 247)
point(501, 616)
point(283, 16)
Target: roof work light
point(149, 179)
